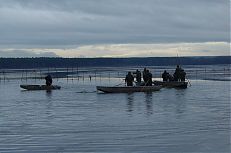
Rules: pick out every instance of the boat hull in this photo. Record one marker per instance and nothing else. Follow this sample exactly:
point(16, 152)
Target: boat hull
point(128, 89)
point(40, 87)
point(173, 84)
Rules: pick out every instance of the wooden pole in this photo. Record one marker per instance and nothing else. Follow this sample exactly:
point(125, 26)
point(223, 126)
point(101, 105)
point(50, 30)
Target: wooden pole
point(109, 77)
point(26, 75)
point(205, 73)
point(22, 75)
point(56, 72)
point(83, 75)
point(40, 74)
point(67, 74)
point(35, 75)
point(72, 74)
point(4, 76)
point(196, 74)
point(77, 73)
point(95, 75)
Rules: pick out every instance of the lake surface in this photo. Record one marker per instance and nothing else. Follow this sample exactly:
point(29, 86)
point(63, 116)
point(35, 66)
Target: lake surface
point(78, 119)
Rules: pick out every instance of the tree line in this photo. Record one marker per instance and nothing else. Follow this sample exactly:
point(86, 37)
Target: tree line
point(44, 62)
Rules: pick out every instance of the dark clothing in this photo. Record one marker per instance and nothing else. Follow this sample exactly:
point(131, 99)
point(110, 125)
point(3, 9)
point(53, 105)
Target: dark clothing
point(145, 75)
point(129, 79)
point(170, 77)
point(48, 79)
point(149, 79)
point(176, 75)
point(165, 76)
point(182, 75)
point(179, 74)
point(138, 76)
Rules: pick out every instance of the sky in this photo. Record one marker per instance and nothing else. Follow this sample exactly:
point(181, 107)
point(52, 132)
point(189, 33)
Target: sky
point(114, 28)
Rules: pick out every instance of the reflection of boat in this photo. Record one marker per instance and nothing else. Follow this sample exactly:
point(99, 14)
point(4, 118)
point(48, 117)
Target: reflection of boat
point(171, 84)
point(40, 87)
point(128, 89)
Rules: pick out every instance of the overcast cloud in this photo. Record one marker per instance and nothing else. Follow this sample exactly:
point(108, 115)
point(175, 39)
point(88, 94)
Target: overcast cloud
point(70, 24)
point(25, 53)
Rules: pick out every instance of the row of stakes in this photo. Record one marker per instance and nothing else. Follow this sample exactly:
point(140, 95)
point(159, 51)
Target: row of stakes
point(40, 74)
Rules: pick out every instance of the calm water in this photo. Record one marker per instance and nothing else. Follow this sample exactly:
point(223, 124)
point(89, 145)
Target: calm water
point(78, 119)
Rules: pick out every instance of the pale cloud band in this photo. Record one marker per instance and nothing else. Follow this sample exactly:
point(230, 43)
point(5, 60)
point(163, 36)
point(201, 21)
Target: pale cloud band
point(114, 28)
point(128, 50)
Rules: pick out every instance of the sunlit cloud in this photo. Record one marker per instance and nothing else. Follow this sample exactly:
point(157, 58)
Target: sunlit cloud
point(134, 50)
point(148, 50)
point(110, 28)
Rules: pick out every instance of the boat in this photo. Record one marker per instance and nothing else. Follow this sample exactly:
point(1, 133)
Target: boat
point(127, 89)
point(40, 87)
point(171, 84)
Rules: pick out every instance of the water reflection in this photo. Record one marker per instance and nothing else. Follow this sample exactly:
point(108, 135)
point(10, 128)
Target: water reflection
point(148, 102)
point(49, 94)
point(130, 101)
point(180, 106)
point(49, 105)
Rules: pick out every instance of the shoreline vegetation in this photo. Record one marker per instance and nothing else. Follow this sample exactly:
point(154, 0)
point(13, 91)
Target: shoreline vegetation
point(44, 62)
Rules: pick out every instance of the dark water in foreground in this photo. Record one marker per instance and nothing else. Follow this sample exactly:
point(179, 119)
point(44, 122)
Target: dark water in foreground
point(77, 119)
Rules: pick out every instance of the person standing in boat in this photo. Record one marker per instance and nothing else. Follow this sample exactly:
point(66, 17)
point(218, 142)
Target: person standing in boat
point(170, 78)
point(138, 77)
point(165, 76)
point(176, 75)
point(179, 74)
point(149, 78)
point(48, 79)
point(182, 75)
point(129, 79)
point(145, 75)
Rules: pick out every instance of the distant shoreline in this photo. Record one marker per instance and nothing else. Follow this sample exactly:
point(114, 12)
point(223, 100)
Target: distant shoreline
point(56, 62)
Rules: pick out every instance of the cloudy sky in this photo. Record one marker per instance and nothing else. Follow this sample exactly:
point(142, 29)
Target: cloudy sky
point(114, 28)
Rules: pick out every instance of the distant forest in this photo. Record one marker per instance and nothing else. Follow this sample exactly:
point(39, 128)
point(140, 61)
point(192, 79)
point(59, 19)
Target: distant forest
point(43, 62)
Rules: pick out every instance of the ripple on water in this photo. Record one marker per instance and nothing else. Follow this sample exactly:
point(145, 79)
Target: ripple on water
point(192, 120)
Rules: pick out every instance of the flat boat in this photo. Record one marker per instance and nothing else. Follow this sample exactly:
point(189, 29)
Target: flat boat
point(40, 87)
point(127, 89)
point(171, 84)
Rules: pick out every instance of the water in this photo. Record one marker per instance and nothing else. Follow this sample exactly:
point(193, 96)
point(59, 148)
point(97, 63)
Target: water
point(78, 119)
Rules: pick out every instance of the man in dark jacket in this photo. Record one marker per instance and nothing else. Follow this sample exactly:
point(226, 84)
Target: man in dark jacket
point(176, 75)
point(182, 75)
point(129, 79)
point(145, 75)
point(165, 76)
point(48, 79)
point(149, 78)
point(138, 76)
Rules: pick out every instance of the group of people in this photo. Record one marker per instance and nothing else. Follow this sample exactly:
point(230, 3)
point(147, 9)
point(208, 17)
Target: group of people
point(147, 78)
point(179, 75)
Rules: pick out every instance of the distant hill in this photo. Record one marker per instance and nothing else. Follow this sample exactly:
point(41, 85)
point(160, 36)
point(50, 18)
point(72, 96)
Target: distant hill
point(43, 62)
